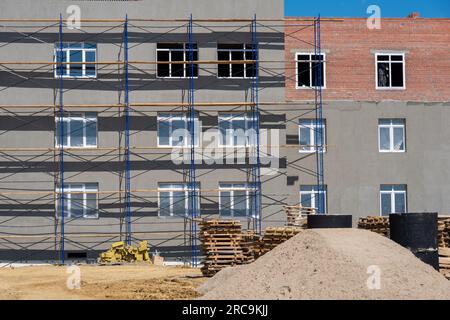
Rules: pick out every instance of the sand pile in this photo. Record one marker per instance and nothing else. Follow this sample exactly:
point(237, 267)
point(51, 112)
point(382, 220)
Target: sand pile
point(330, 264)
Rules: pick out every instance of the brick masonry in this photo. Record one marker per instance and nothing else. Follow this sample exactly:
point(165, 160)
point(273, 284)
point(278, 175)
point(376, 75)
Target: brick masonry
point(350, 68)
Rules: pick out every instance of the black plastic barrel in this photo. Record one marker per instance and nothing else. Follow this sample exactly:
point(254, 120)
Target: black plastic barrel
point(418, 232)
point(327, 221)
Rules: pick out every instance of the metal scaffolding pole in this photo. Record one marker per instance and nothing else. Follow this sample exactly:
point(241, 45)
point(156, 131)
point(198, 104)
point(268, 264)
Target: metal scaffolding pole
point(256, 160)
point(61, 136)
point(192, 174)
point(319, 137)
point(127, 139)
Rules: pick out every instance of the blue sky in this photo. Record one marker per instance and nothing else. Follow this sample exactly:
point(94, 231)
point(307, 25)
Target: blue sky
point(357, 8)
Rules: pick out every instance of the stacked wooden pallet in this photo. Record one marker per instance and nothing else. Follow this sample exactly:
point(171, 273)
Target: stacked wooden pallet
point(274, 236)
point(296, 215)
point(376, 224)
point(221, 245)
point(444, 262)
point(444, 232)
point(249, 245)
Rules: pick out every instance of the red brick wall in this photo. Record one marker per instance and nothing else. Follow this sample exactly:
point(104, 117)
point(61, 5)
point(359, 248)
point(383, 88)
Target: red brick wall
point(350, 66)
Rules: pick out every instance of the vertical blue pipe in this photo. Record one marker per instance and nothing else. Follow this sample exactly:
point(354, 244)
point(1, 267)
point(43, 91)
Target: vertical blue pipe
point(316, 105)
point(256, 169)
point(322, 133)
point(192, 176)
point(61, 137)
point(127, 139)
point(318, 137)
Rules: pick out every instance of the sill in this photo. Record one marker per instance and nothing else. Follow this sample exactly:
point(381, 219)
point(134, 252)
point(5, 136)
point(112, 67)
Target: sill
point(76, 148)
point(80, 218)
point(391, 151)
point(237, 78)
point(77, 77)
point(235, 146)
point(314, 151)
point(308, 88)
point(177, 147)
point(175, 78)
point(390, 88)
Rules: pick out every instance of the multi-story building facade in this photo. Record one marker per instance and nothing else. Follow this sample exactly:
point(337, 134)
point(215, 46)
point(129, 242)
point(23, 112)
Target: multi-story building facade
point(99, 113)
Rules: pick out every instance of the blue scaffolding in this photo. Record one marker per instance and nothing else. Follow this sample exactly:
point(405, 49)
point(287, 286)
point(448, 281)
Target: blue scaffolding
point(254, 176)
point(192, 184)
point(255, 160)
point(61, 137)
point(127, 138)
point(319, 136)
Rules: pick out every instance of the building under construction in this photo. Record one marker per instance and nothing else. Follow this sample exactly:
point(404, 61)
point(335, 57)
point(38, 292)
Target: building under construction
point(90, 115)
point(151, 115)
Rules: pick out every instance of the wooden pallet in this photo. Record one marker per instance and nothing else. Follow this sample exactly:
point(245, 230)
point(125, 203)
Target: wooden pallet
point(221, 244)
point(444, 261)
point(375, 224)
point(444, 233)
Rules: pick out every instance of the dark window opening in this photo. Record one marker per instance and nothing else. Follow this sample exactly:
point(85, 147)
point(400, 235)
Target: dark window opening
point(174, 54)
point(383, 74)
point(235, 52)
point(163, 68)
point(397, 75)
point(310, 70)
point(390, 69)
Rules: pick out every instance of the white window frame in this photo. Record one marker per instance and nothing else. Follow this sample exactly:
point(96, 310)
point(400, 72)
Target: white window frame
point(324, 64)
point(185, 51)
point(312, 129)
point(83, 62)
point(390, 69)
point(231, 189)
point(177, 187)
point(392, 194)
point(187, 138)
point(68, 190)
point(391, 127)
point(230, 69)
point(68, 116)
point(229, 118)
point(313, 197)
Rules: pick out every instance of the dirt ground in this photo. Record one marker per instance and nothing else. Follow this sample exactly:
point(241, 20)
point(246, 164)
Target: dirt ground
point(101, 282)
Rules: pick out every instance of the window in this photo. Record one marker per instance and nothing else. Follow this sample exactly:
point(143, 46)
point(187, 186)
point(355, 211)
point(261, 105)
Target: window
point(390, 71)
point(77, 56)
point(236, 129)
point(174, 53)
point(392, 199)
point(80, 200)
point(310, 70)
point(391, 135)
point(235, 52)
point(174, 130)
point(310, 197)
point(174, 199)
point(235, 199)
point(80, 130)
point(311, 135)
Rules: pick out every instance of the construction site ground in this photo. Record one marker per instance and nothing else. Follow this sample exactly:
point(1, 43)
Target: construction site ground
point(142, 281)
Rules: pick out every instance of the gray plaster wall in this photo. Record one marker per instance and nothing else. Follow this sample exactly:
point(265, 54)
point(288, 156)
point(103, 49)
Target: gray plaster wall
point(355, 169)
